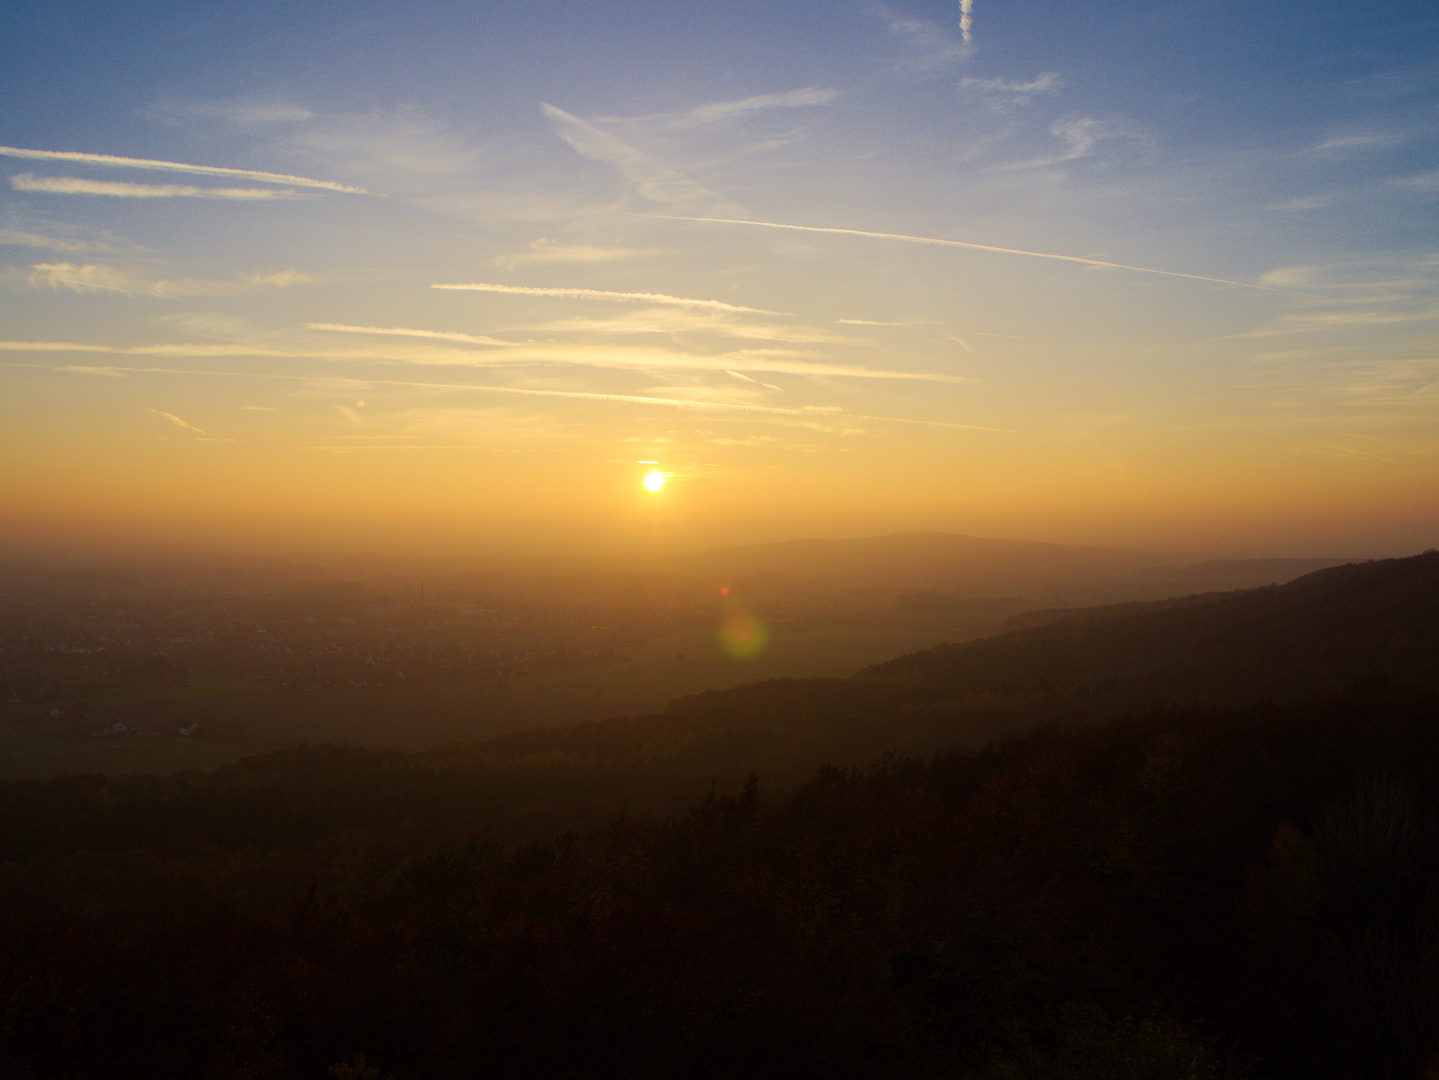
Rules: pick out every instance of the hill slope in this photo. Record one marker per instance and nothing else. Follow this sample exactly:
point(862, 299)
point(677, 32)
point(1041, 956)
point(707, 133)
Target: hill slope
point(979, 566)
point(1313, 634)
point(1194, 892)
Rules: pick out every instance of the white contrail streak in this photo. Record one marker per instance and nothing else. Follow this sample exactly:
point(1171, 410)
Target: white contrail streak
point(70, 185)
point(507, 353)
point(813, 413)
point(586, 395)
point(621, 297)
point(175, 166)
point(177, 421)
point(935, 241)
point(966, 19)
point(384, 331)
point(93, 285)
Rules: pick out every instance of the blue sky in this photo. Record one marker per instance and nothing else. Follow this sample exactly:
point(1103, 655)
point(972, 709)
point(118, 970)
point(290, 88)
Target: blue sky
point(1135, 273)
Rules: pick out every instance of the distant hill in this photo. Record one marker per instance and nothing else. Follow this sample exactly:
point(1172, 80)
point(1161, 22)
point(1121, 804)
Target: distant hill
point(1028, 620)
point(974, 566)
point(1310, 635)
point(977, 564)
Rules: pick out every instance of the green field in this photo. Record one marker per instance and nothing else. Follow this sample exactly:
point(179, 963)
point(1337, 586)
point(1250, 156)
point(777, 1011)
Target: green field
point(239, 718)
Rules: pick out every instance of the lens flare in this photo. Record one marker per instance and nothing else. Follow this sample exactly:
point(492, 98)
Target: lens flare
point(654, 481)
point(743, 635)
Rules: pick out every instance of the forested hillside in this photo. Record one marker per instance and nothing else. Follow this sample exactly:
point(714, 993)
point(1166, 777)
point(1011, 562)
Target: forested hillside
point(1187, 894)
point(1054, 876)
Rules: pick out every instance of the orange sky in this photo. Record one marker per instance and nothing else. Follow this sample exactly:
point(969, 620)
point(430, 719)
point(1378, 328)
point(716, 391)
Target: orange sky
point(453, 288)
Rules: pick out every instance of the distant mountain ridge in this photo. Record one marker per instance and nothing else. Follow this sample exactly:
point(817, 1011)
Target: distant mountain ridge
point(1310, 635)
point(1316, 634)
point(1028, 620)
point(982, 567)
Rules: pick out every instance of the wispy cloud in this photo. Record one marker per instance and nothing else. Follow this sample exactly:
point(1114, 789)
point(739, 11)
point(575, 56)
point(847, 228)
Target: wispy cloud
point(1011, 92)
point(185, 349)
point(1359, 141)
point(907, 239)
point(603, 294)
point(403, 146)
point(544, 252)
point(85, 369)
point(111, 161)
point(284, 279)
point(675, 321)
point(719, 113)
point(808, 412)
point(442, 335)
point(966, 20)
point(35, 240)
point(70, 185)
point(1079, 135)
point(866, 322)
point(570, 395)
point(211, 324)
point(580, 354)
point(1290, 277)
point(83, 277)
point(931, 46)
point(54, 346)
point(1318, 321)
point(649, 178)
point(1426, 182)
point(742, 377)
point(177, 421)
point(401, 150)
point(243, 114)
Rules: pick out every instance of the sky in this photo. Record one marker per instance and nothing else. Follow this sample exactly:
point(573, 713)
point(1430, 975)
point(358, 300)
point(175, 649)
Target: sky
point(455, 277)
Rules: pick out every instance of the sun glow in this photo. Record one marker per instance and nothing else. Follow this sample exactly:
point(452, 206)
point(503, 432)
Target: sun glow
point(654, 481)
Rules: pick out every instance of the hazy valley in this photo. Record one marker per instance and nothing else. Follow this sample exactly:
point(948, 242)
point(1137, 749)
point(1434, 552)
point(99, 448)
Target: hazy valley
point(244, 657)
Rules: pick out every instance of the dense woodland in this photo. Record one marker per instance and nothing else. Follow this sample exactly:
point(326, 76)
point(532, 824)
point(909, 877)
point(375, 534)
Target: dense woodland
point(1186, 842)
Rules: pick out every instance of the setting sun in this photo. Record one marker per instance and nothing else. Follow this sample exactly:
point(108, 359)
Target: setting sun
point(654, 481)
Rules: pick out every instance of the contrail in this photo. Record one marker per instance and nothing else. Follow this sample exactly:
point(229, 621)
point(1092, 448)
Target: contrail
point(811, 413)
point(505, 353)
point(93, 285)
point(177, 421)
point(70, 185)
point(176, 166)
point(966, 19)
point(586, 395)
point(935, 241)
point(442, 335)
point(622, 297)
